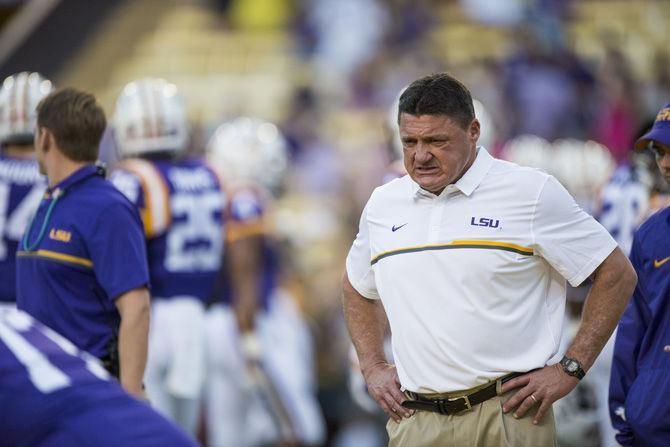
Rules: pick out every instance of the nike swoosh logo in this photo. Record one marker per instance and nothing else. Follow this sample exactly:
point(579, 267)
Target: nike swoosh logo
point(394, 228)
point(657, 264)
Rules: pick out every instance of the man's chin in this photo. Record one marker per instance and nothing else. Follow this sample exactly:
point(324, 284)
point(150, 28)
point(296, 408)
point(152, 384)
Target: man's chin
point(433, 187)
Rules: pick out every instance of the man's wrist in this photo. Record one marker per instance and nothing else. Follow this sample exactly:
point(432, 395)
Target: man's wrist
point(367, 367)
point(572, 367)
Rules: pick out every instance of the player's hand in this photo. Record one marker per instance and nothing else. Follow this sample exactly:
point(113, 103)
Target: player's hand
point(251, 346)
point(384, 387)
point(541, 387)
point(667, 348)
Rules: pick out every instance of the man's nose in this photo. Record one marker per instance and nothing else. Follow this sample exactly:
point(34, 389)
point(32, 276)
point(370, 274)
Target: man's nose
point(422, 154)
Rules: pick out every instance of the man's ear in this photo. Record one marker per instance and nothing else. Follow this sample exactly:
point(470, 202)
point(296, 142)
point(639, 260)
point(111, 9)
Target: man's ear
point(474, 130)
point(46, 139)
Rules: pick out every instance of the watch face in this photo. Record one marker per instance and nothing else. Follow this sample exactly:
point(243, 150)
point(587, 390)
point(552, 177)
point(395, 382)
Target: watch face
point(572, 366)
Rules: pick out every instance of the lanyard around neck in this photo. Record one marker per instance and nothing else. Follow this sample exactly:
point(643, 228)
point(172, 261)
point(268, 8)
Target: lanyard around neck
point(57, 194)
point(31, 247)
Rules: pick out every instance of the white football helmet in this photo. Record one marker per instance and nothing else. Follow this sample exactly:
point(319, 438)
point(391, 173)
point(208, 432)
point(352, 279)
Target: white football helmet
point(249, 150)
point(150, 117)
point(19, 96)
point(487, 134)
point(583, 167)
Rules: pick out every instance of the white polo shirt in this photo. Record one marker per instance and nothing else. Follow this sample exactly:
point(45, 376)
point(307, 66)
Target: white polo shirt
point(473, 280)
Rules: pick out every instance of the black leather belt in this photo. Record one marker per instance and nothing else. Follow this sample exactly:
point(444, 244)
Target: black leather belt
point(455, 404)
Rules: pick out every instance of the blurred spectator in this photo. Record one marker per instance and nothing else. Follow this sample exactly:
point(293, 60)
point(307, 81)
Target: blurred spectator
point(411, 20)
point(495, 12)
point(619, 105)
point(301, 119)
point(540, 93)
point(658, 88)
point(348, 33)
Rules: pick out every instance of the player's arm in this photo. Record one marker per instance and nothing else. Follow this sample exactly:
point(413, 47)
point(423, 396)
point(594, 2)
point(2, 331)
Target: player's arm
point(134, 308)
point(245, 228)
point(242, 260)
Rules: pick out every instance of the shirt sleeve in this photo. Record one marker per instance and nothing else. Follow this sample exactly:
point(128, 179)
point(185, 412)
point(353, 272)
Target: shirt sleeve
point(359, 268)
point(118, 250)
point(566, 236)
point(630, 332)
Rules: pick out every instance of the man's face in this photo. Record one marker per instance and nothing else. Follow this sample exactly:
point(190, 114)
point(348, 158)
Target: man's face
point(437, 151)
point(662, 153)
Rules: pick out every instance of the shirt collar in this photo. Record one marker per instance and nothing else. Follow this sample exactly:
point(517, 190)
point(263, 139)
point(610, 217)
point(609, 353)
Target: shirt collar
point(469, 181)
point(77, 176)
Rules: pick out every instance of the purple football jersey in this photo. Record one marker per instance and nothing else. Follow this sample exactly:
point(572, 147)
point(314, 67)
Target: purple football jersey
point(181, 203)
point(21, 189)
point(246, 214)
point(56, 395)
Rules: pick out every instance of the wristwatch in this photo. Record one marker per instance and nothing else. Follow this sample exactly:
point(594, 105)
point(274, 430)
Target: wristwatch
point(572, 367)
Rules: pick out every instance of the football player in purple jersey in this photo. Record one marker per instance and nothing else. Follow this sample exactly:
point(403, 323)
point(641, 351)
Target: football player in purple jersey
point(260, 386)
point(21, 184)
point(181, 201)
point(54, 394)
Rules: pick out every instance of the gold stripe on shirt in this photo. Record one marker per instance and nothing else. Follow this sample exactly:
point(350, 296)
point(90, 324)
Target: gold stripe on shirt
point(458, 244)
point(48, 254)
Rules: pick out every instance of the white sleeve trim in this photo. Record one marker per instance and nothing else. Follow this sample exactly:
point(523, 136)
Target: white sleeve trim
point(358, 286)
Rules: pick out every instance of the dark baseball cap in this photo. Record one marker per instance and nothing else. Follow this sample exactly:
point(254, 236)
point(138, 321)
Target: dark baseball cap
point(660, 131)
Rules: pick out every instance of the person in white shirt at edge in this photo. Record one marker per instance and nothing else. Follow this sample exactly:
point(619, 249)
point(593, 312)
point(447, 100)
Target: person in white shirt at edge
point(469, 257)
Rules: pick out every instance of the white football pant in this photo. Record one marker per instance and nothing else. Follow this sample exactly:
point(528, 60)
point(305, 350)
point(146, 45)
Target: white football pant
point(175, 370)
point(235, 415)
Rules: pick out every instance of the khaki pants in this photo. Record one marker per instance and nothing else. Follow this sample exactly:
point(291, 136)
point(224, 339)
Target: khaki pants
point(484, 426)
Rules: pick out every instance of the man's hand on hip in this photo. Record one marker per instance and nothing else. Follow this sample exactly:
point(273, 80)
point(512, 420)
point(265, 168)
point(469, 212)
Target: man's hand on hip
point(384, 387)
point(541, 387)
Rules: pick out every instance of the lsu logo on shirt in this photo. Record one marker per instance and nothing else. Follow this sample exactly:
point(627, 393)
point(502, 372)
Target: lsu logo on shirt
point(485, 222)
point(60, 235)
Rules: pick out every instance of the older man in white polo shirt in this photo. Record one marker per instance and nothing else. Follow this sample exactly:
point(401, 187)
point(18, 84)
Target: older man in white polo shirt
point(469, 256)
